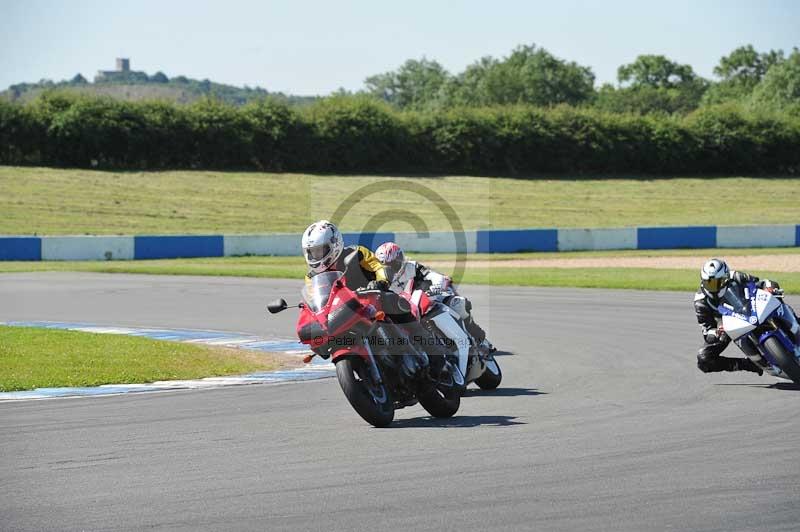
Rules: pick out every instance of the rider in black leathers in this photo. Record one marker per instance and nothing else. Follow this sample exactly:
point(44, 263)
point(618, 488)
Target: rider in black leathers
point(720, 285)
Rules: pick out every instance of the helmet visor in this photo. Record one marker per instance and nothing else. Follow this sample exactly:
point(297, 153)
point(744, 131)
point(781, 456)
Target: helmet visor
point(316, 253)
point(393, 268)
point(713, 285)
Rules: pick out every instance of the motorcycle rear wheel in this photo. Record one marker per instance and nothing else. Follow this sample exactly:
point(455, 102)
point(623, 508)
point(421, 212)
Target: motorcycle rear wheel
point(784, 358)
point(370, 400)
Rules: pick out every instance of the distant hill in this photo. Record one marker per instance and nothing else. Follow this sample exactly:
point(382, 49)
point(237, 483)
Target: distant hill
point(135, 86)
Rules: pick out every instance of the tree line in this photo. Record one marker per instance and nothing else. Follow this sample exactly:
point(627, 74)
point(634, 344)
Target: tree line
point(650, 84)
point(179, 87)
point(529, 75)
point(526, 114)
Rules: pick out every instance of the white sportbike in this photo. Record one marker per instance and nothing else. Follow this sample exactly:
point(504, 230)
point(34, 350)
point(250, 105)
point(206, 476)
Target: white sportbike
point(443, 314)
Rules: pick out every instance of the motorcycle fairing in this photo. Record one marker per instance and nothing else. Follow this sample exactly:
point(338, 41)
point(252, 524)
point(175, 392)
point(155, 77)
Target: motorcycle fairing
point(315, 328)
point(735, 324)
point(451, 329)
point(765, 304)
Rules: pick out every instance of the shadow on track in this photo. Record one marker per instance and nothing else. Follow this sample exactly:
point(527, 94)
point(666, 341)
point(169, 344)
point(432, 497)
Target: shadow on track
point(457, 421)
point(502, 392)
point(501, 353)
point(774, 386)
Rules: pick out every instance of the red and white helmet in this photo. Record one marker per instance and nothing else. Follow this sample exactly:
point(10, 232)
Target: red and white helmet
point(322, 245)
point(392, 257)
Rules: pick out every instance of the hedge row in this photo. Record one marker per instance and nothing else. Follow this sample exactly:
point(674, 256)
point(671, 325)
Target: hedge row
point(362, 135)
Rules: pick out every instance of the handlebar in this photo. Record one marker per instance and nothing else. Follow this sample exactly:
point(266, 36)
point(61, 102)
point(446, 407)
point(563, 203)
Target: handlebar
point(364, 291)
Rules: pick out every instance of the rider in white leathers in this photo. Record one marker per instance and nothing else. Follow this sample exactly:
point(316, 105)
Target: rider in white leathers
point(437, 285)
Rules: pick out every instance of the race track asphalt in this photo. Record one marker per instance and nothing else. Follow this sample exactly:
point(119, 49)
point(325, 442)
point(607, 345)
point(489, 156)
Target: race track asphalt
point(602, 422)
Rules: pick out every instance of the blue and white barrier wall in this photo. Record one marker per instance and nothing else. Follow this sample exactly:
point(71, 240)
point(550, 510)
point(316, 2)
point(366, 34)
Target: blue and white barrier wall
point(32, 248)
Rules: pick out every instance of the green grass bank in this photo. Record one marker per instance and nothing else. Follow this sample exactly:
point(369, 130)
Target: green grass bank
point(42, 358)
point(47, 201)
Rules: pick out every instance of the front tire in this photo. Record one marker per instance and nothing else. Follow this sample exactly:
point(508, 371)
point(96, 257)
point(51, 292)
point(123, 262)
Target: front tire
point(442, 401)
point(492, 376)
point(370, 400)
point(784, 358)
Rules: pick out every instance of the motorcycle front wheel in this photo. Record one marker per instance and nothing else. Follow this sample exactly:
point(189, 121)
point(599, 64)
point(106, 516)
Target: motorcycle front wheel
point(371, 400)
point(784, 358)
point(491, 377)
point(440, 401)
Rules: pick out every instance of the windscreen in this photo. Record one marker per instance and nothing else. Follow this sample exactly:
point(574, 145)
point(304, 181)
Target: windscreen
point(734, 296)
point(318, 289)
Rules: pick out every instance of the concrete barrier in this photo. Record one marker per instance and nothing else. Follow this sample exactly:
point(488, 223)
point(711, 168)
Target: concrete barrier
point(278, 244)
point(87, 248)
point(438, 242)
point(676, 237)
point(517, 240)
point(20, 248)
point(178, 246)
point(368, 240)
point(481, 241)
point(757, 236)
point(596, 239)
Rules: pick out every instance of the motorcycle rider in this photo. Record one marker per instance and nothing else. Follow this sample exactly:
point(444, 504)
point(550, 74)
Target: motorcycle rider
point(400, 271)
point(324, 250)
point(718, 285)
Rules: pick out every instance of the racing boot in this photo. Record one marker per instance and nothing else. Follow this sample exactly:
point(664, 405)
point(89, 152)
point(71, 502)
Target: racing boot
point(486, 347)
point(745, 364)
point(475, 330)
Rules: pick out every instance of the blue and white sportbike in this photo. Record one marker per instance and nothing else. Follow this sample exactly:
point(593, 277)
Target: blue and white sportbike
point(769, 325)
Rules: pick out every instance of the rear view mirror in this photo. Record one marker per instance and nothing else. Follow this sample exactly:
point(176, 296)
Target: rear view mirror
point(277, 306)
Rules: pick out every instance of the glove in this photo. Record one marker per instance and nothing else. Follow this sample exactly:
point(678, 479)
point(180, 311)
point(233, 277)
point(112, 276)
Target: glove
point(715, 336)
point(383, 286)
point(435, 290)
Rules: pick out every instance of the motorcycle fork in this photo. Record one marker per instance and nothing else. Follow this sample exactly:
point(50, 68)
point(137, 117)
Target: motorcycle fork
point(787, 317)
point(374, 373)
point(752, 350)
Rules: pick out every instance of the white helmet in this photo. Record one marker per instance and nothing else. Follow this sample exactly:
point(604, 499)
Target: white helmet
point(714, 277)
point(322, 245)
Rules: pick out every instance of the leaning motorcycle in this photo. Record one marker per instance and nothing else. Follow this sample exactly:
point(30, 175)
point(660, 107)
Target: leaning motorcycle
point(446, 325)
point(764, 321)
point(376, 374)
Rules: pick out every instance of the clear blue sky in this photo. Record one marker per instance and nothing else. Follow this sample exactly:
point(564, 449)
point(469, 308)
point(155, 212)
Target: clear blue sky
point(316, 46)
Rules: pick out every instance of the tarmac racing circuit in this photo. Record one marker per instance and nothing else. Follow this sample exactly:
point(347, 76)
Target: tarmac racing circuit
point(602, 422)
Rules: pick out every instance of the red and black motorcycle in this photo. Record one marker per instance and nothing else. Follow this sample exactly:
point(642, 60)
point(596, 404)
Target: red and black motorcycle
point(378, 366)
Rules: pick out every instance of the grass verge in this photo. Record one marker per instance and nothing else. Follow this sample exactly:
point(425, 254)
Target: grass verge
point(43, 358)
point(619, 278)
point(294, 268)
point(58, 201)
